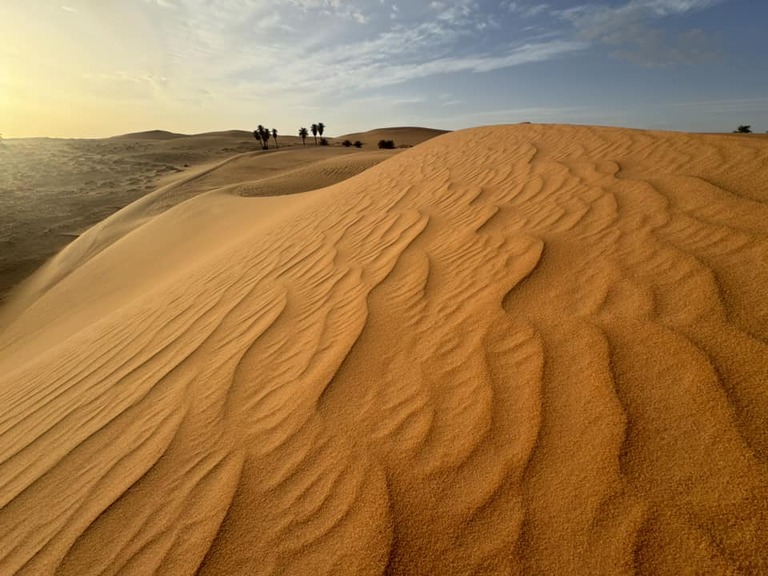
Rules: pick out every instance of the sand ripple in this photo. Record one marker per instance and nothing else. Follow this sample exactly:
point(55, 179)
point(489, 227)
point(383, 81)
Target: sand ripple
point(512, 350)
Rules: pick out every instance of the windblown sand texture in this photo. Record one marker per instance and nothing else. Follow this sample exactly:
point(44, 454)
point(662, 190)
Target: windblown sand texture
point(52, 190)
point(512, 350)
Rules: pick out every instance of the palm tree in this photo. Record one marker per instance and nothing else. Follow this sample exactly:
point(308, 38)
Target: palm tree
point(264, 134)
point(257, 135)
point(315, 129)
point(274, 137)
point(320, 129)
point(303, 133)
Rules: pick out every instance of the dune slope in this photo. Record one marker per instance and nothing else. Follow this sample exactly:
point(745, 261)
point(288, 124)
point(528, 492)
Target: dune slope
point(269, 173)
point(510, 350)
point(51, 190)
point(402, 136)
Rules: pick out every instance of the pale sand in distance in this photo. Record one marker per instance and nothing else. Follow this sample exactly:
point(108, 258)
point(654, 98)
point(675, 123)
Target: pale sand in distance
point(509, 350)
point(53, 190)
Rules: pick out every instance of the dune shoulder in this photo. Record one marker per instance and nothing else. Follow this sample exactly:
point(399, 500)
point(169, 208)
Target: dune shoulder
point(85, 182)
point(531, 349)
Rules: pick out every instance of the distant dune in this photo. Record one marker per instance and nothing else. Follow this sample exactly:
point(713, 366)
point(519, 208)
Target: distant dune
point(530, 349)
point(149, 135)
point(231, 133)
point(403, 136)
point(52, 190)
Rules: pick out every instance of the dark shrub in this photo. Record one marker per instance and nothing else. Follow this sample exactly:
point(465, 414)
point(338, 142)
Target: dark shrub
point(323, 142)
point(358, 144)
point(346, 143)
point(387, 144)
point(744, 129)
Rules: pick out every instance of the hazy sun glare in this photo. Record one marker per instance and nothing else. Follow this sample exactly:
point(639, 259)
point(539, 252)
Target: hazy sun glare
point(68, 71)
point(79, 68)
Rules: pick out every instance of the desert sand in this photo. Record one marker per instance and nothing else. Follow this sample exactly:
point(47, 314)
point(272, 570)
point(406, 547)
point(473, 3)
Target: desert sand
point(53, 190)
point(405, 136)
point(529, 349)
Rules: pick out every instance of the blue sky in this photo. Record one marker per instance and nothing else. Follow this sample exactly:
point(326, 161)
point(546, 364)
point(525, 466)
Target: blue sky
point(98, 68)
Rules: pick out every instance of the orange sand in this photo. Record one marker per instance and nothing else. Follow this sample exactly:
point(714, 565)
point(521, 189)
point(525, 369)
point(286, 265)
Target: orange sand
point(510, 350)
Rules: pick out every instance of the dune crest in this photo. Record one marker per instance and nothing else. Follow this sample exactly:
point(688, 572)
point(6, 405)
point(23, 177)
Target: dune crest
point(510, 350)
point(402, 136)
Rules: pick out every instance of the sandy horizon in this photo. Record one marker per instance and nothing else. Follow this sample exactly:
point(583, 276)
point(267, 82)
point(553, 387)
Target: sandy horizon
point(54, 189)
point(523, 349)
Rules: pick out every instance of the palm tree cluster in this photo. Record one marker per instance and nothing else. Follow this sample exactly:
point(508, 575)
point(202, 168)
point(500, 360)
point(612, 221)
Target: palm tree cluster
point(318, 128)
point(262, 136)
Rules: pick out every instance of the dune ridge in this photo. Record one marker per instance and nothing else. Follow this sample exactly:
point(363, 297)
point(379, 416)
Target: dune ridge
point(510, 350)
point(52, 190)
point(268, 173)
point(402, 135)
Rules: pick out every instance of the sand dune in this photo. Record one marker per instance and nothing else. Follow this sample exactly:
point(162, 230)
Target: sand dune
point(402, 136)
point(509, 350)
point(259, 173)
point(150, 135)
point(52, 190)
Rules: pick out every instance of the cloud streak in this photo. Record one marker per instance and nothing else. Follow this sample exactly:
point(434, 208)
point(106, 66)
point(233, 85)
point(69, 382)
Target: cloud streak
point(214, 61)
point(386, 54)
point(633, 29)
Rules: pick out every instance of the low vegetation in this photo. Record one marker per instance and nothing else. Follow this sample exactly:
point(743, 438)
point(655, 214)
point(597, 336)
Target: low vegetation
point(262, 135)
point(386, 144)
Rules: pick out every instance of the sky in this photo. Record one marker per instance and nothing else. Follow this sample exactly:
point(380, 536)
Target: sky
point(95, 68)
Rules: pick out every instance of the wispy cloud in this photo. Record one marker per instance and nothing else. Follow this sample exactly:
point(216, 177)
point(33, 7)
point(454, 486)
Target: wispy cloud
point(335, 8)
point(525, 9)
point(347, 57)
point(602, 22)
point(439, 42)
point(724, 106)
point(122, 85)
point(633, 29)
point(653, 47)
point(395, 58)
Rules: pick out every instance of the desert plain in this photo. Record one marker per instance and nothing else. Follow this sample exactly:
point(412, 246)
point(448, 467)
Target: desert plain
point(523, 349)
